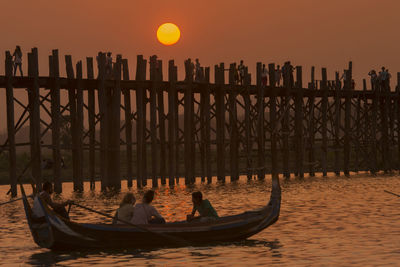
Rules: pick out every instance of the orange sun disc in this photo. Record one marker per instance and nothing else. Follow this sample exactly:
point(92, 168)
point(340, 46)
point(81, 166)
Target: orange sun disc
point(168, 34)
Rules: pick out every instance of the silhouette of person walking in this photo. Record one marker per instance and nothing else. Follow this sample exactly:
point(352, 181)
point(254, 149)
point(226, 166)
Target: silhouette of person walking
point(17, 55)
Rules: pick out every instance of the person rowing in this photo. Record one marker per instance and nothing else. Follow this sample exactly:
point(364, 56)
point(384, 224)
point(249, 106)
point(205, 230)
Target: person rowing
point(45, 195)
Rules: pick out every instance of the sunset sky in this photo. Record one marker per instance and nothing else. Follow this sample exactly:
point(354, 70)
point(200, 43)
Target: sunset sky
point(323, 33)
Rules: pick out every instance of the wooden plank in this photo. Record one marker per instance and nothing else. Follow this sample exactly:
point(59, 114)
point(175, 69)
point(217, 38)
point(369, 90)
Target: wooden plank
point(260, 125)
point(153, 121)
point(189, 125)
point(34, 122)
point(299, 122)
point(141, 123)
point(128, 124)
point(338, 104)
point(220, 116)
point(234, 132)
point(172, 123)
point(92, 124)
point(161, 123)
point(10, 124)
point(55, 121)
point(324, 121)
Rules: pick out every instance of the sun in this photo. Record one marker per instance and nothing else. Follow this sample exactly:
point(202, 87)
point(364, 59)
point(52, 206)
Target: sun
point(168, 34)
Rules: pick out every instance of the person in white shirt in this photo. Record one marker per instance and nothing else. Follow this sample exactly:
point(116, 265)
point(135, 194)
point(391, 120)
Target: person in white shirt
point(144, 213)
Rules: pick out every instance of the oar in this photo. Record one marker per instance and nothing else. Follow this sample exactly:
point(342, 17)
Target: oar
point(391, 193)
point(23, 172)
point(11, 201)
point(176, 240)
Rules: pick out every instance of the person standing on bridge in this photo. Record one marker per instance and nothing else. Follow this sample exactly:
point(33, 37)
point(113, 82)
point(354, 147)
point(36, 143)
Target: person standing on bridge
point(374, 79)
point(197, 71)
point(264, 76)
point(241, 70)
point(17, 55)
point(109, 65)
point(278, 76)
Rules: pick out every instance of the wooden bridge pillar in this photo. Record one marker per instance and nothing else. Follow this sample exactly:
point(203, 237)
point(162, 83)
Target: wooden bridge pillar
point(273, 121)
point(128, 124)
point(299, 122)
point(260, 124)
point(79, 126)
point(189, 125)
point(161, 124)
point(72, 100)
point(34, 118)
point(324, 128)
point(92, 124)
point(311, 123)
point(141, 100)
point(114, 169)
point(337, 123)
point(347, 120)
point(153, 122)
point(10, 124)
point(172, 123)
point(220, 116)
point(234, 135)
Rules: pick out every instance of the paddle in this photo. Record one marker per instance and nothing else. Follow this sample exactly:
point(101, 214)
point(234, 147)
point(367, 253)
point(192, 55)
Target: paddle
point(176, 240)
point(23, 172)
point(11, 201)
point(391, 193)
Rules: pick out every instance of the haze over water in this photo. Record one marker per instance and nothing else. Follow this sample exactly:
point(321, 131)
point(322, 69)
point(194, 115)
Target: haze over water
point(334, 221)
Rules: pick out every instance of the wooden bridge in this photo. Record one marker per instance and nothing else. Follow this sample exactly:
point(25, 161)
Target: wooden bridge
point(228, 129)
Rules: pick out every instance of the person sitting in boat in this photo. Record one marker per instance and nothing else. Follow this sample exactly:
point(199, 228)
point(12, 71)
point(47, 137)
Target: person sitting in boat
point(204, 207)
point(144, 213)
point(45, 195)
point(125, 211)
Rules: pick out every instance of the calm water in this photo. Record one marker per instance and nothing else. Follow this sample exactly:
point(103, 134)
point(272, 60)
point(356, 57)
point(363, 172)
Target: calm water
point(324, 222)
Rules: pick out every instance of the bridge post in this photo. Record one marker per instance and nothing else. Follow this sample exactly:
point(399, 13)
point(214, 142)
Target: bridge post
point(10, 124)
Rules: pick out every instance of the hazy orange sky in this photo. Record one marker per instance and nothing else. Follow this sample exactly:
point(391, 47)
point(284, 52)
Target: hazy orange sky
point(323, 33)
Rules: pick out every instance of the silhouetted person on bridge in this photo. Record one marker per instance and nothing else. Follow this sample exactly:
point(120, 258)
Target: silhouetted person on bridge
point(109, 65)
point(198, 74)
point(242, 71)
point(374, 79)
point(278, 76)
point(264, 76)
point(17, 55)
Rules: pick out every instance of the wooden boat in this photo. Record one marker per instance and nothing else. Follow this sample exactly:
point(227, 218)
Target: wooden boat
point(57, 233)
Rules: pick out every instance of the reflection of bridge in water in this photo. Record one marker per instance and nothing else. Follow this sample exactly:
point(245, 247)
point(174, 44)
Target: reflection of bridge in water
point(226, 130)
